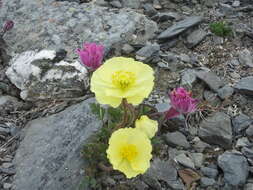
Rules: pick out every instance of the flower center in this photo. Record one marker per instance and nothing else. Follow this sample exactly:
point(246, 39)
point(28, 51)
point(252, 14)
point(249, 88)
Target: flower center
point(123, 79)
point(128, 152)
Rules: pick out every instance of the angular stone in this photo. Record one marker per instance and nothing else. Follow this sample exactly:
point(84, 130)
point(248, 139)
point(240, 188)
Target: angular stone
point(199, 145)
point(67, 25)
point(246, 58)
point(248, 186)
point(217, 130)
point(241, 142)
point(209, 172)
point(180, 27)
point(49, 155)
point(126, 49)
point(205, 182)
point(225, 92)
point(211, 79)
point(195, 38)
point(135, 4)
point(248, 152)
point(39, 77)
point(188, 77)
point(147, 52)
point(184, 160)
point(9, 103)
point(162, 170)
point(245, 86)
point(176, 139)
point(235, 168)
point(197, 158)
point(249, 131)
point(241, 122)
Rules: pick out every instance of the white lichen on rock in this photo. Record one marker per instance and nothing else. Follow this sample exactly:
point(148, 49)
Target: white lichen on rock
point(38, 76)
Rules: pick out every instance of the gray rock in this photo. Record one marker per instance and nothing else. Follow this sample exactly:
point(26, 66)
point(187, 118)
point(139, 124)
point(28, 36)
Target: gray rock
point(188, 77)
point(176, 139)
point(4, 130)
point(209, 172)
point(205, 182)
point(225, 92)
point(163, 107)
point(49, 155)
point(180, 27)
point(39, 77)
point(116, 4)
point(217, 130)
point(195, 38)
point(199, 145)
point(236, 3)
point(9, 103)
point(72, 24)
point(235, 168)
point(248, 186)
point(227, 10)
point(212, 98)
point(246, 58)
point(248, 152)
point(165, 16)
point(249, 131)
point(197, 158)
point(185, 58)
point(149, 9)
point(135, 4)
point(240, 123)
point(241, 142)
point(245, 86)
point(140, 185)
point(162, 170)
point(146, 53)
point(184, 160)
point(7, 171)
point(211, 79)
point(127, 49)
point(7, 186)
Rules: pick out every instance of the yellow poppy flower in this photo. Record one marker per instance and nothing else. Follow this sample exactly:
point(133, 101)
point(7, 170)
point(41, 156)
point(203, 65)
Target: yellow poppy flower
point(129, 151)
point(121, 77)
point(146, 125)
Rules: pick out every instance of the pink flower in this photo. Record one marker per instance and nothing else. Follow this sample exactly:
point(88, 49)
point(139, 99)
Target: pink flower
point(8, 26)
point(181, 102)
point(91, 55)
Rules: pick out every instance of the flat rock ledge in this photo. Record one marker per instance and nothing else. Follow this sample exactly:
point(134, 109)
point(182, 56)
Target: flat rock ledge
point(49, 156)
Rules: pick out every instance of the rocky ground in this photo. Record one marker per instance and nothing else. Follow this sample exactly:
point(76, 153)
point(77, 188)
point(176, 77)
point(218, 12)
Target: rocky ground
point(44, 98)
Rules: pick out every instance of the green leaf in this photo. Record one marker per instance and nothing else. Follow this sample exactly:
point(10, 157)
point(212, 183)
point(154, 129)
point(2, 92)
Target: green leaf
point(220, 28)
point(97, 110)
point(115, 114)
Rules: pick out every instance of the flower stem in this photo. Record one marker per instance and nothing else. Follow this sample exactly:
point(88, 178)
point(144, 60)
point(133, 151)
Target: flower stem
point(125, 118)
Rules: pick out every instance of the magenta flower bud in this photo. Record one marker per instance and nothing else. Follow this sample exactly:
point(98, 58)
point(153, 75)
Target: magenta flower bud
point(8, 26)
point(91, 55)
point(181, 103)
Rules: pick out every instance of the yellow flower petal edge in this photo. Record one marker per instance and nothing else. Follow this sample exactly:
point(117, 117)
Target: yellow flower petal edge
point(129, 151)
point(146, 125)
point(121, 77)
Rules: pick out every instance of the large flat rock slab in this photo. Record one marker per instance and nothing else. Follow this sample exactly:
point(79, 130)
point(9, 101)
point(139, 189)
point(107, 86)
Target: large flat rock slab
point(55, 24)
point(49, 156)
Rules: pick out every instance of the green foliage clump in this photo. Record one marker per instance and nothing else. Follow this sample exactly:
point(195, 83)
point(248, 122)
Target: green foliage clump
point(220, 28)
point(95, 151)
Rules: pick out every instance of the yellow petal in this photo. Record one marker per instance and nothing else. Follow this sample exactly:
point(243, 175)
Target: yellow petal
point(111, 90)
point(130, 163)
point(146, 125)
